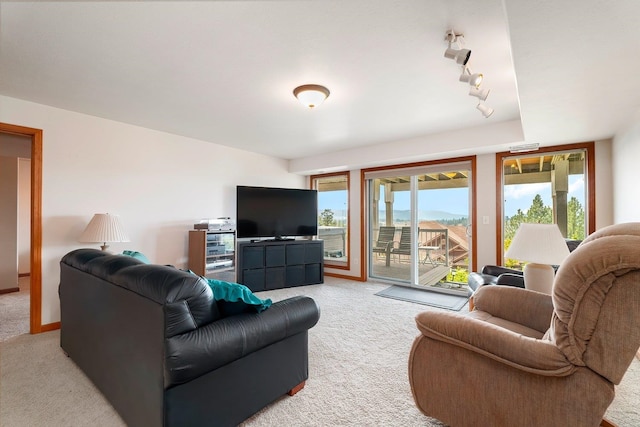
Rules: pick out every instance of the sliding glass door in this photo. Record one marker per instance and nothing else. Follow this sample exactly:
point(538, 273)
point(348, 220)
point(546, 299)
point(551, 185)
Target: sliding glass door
point(418, 225)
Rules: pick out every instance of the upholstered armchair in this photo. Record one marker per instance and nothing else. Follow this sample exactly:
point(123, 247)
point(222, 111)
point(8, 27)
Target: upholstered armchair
point(527, 358)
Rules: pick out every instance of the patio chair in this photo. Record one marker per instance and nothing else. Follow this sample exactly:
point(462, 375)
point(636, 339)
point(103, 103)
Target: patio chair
point(384, 243)
point(404, 245)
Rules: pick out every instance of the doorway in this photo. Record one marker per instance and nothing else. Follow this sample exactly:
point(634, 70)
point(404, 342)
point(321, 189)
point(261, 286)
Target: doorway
point(419, 224)
point(35, 258)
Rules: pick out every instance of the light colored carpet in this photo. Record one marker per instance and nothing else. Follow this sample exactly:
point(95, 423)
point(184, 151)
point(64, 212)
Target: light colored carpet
point(357, 371)
point(14, 311)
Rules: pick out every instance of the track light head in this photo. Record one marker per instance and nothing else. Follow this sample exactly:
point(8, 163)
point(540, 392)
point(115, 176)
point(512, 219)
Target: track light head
point(485, 110)
point(461, 56)
point(481, 94)
point(474, 79)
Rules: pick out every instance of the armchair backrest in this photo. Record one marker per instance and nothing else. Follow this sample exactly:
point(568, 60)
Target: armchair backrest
point(596, 298)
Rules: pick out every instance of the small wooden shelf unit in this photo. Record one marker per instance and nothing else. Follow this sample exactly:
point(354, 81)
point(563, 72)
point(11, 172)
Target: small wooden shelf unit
point(213, 253)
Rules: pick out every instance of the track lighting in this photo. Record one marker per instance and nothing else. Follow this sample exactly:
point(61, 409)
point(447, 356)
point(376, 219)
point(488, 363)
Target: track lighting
point(461, 56)
point(485, 110)
point(481, 94)
point(474, 79)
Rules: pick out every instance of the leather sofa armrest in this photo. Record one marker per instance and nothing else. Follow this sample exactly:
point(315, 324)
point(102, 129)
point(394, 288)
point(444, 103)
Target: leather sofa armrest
point(496, 270)
point(510, 279)
point(528, 308)
point(527, 354)
point(475, 280)
point(218, 343)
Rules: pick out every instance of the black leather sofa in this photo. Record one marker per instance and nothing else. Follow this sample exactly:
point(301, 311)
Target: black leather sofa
point(154, 342)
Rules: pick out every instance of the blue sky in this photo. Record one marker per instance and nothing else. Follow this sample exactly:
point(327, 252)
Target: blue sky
point(456, 201)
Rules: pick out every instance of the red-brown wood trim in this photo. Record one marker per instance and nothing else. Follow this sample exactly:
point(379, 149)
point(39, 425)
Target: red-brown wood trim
point(36, 221)
point(344, 276)
point(606, 423)
point(24, 274)
point(9, 290)
point(364, 257)
point(474, 216)
point(50, 327)
point(296, 389)
point(347, 265)
point(471, 159)
point(589, 147)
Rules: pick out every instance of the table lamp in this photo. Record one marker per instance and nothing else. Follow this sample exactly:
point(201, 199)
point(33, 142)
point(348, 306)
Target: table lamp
point(104, 228)
point(541, 246)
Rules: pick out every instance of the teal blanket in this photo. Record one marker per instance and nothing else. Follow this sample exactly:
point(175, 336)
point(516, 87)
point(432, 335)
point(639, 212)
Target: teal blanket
point(237, 293)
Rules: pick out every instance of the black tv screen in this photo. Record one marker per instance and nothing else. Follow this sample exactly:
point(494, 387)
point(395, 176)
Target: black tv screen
point(276, 212)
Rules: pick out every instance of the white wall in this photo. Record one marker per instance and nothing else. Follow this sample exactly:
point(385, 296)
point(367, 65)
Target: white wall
point(160, 184)
point(626, 173)
point(486, 209)
point(489, 138)
point(604, 184)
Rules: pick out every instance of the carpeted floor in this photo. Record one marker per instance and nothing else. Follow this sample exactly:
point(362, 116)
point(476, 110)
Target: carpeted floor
point(357, 365)
point(14, 311)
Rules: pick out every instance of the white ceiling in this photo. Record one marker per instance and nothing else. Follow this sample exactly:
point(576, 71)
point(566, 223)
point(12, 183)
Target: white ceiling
point(224, 71)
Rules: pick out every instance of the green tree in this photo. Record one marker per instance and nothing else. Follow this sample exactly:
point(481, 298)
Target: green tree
point(539, 213)
point(326, 217)
point(575, 220)
point(512, 223)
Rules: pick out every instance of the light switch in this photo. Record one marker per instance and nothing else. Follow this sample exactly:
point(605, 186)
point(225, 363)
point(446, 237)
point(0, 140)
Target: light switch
point(485, 219)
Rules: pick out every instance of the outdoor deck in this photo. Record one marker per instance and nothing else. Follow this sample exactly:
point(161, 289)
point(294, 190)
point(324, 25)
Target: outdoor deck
point(430, 275)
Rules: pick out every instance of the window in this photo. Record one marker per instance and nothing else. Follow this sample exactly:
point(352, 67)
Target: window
point(333, 217)
point(554, 185)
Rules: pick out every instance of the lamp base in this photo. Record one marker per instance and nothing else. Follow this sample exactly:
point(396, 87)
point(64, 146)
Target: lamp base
point(104, 247)
point(539, 277)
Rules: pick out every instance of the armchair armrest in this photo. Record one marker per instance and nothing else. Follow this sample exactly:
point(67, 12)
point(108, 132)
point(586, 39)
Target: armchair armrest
point(528, 308)
point(211, 346)
point(527, 354)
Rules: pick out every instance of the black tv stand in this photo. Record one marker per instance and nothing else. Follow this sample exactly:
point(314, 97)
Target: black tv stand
point(275, 264)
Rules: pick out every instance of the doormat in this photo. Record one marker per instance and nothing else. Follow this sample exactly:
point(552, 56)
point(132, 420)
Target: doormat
point(424, 297)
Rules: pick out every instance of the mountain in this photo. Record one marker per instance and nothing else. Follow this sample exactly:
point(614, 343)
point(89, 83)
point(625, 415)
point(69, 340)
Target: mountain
point(405, 215)
point(428, 215)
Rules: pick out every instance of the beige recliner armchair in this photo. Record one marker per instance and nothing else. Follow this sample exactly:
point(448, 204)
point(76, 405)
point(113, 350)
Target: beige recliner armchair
point(523, 358)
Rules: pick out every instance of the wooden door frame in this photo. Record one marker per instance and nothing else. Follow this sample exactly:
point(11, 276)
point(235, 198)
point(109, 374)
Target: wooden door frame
point(36, 223)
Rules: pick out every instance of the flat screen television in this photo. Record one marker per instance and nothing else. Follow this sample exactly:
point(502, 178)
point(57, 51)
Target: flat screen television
point(278, 213)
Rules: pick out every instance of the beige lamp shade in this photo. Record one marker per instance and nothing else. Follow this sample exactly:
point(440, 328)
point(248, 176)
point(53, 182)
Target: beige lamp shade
point(541, 245)
point(104, 228)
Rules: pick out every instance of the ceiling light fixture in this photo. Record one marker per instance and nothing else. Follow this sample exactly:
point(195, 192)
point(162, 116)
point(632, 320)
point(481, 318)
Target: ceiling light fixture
point(474, 79)
point(486, 110)
point(481, 94)
point(311, 95)
point(461, 56)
